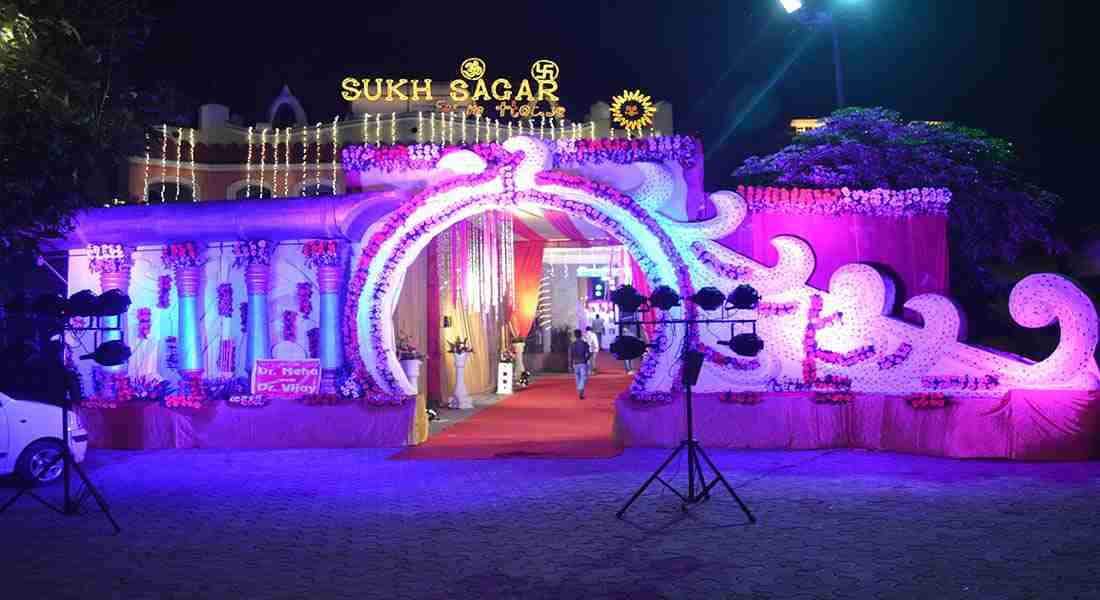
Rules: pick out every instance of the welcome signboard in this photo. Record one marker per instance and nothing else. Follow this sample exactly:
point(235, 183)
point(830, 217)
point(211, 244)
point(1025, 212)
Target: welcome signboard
point(281, 378)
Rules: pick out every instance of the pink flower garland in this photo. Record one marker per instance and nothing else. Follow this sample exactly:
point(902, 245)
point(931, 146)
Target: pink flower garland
point(252, 252)
point(145, 325)
point(832, 397)
point(320, 253)
point(878, 202)
point(290, 325)
point(961, 382)
point(164, 291)
point(181, 254)
point(717, 265)
point(742, 398)
point(927, 400)
point(244, 316)
point(225, 300)
point(729, 362)
point(314, 337)
point(896, 358)
point(305, 298)
point(813, 354)
point(771, 309)
point(109, 258)
point(172, 352)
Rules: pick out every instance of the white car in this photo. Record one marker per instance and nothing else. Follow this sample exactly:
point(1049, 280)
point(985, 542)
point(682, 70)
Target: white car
point(31, 438)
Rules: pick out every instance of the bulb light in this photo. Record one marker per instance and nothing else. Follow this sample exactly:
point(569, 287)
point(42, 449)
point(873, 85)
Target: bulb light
point(335, 151)
point(163, 158)
point(248, 168)
point(263, 157)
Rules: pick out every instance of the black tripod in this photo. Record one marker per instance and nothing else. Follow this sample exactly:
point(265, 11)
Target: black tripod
point(70, 505)
point(698, 491)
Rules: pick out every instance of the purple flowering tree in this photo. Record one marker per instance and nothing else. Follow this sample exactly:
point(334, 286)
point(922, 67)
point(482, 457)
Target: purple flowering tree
point(995, 214)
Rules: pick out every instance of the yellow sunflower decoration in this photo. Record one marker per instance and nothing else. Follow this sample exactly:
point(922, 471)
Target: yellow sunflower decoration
point(632, 110)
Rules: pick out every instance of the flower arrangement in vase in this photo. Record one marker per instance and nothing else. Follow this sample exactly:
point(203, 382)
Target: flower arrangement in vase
point(406, 349)
point(252, 252)
point(460, 346)
point(108, 258)
point(181, 254)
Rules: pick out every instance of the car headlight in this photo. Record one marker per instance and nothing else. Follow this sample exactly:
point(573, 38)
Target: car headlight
point(75, 422)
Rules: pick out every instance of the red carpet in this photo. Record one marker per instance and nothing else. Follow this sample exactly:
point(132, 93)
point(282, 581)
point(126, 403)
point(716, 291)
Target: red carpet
point(546, 420)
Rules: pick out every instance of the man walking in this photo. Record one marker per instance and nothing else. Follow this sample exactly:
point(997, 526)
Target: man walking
point(578, 360)
point(594, 348)
point(598, 329)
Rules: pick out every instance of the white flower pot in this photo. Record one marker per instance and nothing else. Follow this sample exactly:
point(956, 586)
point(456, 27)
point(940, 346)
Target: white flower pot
point(517, 349)
point(412, 371)
point(461, 398)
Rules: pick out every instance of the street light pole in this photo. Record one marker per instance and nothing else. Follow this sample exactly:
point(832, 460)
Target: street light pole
point(836, 63)
point(816, 18)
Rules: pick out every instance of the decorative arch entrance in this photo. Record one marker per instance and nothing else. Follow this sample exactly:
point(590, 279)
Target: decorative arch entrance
point(516, 175)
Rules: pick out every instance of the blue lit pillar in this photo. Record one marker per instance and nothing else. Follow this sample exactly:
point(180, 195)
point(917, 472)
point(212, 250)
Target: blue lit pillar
point(332, 357)
point(188, 284)
point(257, 280)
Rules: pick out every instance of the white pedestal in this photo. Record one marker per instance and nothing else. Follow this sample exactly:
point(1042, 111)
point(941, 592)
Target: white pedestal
point(412, 372)
point(460, 398)
point(504, 378)
point(517, 349)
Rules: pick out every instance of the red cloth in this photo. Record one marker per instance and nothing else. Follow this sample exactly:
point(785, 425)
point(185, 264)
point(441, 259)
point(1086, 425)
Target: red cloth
point(564, 224)
point(528, 259)
point(523, 230)
point(642, 285)
point(914, 248)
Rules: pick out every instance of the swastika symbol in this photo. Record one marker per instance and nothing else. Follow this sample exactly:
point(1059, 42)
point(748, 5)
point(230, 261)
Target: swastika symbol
point(544, 70)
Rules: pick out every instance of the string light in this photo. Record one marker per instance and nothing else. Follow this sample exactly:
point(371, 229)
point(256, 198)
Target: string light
point(263, 158)
point(163, 159)
point(194, 178)
point(145, 186)
point(531, 131)
point(497, 122)
point(431, 123)
point(561, 127)
point(552, 134)
point(366, 121)
point(286, 159)
point(477, 129)
point(248, 168)
point(592, 127)
point(419, 126)
point(509, 130)
point(393, 127)
point(464, 127)
point(542, 125)
point(378, 129)
point(317, 159)
point(335, 151)
point(179, 161)
point(305, 159)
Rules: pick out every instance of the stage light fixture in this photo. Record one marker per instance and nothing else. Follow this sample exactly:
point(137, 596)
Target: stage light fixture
point(743, 297)
point(83, 304)
point(747, 344)
point(112, 303)
point(627, 299)
point(109, 354)
point(708, 298)
point(664, 298)
point(627, 347)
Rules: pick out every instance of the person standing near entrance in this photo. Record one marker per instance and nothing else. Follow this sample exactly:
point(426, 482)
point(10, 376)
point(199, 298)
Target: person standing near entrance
point(598, 329)
point(594, 348)
point(578, 360)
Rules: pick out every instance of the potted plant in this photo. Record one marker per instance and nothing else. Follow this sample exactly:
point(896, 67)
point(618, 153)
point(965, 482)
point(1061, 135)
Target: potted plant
point(461, 350)
point(410, 358)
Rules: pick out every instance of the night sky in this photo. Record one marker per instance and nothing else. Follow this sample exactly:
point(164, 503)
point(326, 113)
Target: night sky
point(993, 65)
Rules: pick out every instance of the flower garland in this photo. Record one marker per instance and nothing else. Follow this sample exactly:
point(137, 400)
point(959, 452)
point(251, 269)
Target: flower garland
point(290, 325)
point(181, 254)
point(813, 354)
point(314, 337)
point(243, 307)
point(832, 397)
point(252, 252)
point(566, 153)
point(225, 300)
point(962, 382)
point(109, 258)
point(722, 268)
point(729, 362)
point(172, 352)
point(164, 291)
point(145, 325)
point(326, 400)
point(927, 400)
point(305, 298)
point(320, 253)
point(772, 309)
point(248, 401)
point(877, 202)
point(896, 357)
point(192, 394)
point(742, 398)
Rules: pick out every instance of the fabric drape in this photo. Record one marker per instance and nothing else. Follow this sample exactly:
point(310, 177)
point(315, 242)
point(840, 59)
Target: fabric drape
point(564, 224)
point(641, 284)
point(528, 261)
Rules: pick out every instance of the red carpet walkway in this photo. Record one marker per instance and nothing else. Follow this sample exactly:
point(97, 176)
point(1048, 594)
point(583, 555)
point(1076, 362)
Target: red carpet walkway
point(545, 420)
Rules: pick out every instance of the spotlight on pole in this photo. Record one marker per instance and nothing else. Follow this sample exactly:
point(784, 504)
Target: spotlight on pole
point(747, 344)
point(109, 354)
point(791, 5)
point(627, 299)
point(664, 298)
point(628, 347)
point(743, 297)
point(708, 298)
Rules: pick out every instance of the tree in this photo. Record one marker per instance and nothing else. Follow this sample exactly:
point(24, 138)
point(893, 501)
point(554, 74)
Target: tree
point(995, 214)
point(70, 110)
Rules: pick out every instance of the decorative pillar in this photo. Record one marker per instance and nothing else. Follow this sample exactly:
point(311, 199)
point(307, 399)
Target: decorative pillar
point(112, 263)
point(188, 284)
point(324, 255)
point(255, 257)
point(183, 258)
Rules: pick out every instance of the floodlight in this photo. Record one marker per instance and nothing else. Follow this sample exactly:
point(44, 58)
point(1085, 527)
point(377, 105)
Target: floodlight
point(743, 297)
point(109, 354)
point(747, 344)
point(627, 299)
point(708, 298)
point(664, 298)
point(112, 303)
point(791, 5)
point(83, 304)
point(627, 347)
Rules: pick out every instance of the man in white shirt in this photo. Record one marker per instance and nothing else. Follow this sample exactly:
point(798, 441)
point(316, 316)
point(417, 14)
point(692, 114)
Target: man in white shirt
point(593, 346)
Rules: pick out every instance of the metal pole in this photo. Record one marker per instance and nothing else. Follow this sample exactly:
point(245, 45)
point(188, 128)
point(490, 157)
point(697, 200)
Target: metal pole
point(836, 63)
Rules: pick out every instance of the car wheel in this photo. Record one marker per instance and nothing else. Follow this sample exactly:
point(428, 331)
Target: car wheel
point(32, 463)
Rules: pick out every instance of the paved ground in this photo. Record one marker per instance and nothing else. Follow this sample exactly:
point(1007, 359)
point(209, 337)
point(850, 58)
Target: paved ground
point(350, 524)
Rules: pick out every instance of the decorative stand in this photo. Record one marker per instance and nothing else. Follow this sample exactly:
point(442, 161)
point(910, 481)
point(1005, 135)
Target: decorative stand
point(504, 379)
point(412, 371)
point(461, 398)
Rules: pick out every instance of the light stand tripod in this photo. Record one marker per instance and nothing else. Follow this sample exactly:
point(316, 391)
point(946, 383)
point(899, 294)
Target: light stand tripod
point(698, 491)
point(70, 506)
